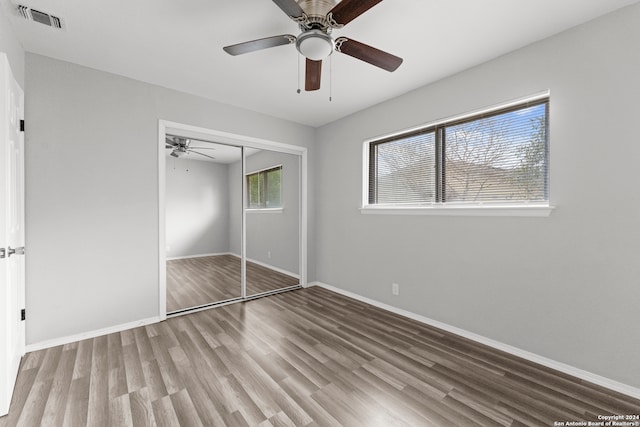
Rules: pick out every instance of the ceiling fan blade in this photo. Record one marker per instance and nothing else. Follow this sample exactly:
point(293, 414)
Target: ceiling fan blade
point(367, 53)
point(202, 148)
point(290, 7)
point(259, 44)
point(195, 152)
point(313, 74)
point(348, 10)
point(170, 141)
point(169, 146)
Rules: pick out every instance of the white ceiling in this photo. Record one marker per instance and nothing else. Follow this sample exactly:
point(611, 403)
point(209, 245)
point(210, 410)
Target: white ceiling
point(178, 44)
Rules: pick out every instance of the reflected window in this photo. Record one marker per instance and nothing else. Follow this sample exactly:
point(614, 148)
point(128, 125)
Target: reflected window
point(264, 188)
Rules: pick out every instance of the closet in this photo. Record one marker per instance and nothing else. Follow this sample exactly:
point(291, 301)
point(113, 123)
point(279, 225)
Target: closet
point(231, 219)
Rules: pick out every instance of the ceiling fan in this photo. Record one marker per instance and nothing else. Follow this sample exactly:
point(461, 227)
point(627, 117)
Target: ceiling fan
point(180, 147)
point(316, 19)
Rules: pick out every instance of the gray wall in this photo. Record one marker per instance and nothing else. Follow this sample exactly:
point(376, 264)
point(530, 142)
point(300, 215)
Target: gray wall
point(277, 233)
point(565, 287)
point(92, 211)
point(10, 45)
point(197, 207)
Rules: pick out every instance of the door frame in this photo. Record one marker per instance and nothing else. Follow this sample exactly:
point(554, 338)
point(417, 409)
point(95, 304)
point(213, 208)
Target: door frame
point(243, 141)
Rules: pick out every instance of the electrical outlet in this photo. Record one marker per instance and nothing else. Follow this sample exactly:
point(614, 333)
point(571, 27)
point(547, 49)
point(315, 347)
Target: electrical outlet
point(395, 289)
point(269, 254)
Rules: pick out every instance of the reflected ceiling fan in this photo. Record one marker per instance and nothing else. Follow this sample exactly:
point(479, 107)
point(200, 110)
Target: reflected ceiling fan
point(316, 19)
point(180, 147)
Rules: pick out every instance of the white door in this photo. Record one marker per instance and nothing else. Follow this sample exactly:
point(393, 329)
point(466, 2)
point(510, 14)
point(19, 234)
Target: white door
point(12, 264)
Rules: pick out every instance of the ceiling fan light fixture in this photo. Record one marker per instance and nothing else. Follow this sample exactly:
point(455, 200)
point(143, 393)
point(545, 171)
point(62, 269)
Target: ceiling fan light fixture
point(315, 45)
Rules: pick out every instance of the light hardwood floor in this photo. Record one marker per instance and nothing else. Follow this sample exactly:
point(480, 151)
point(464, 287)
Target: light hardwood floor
point(303, 358)
point(193, 282)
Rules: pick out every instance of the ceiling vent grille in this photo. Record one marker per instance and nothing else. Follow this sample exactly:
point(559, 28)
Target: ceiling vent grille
point(38, 16)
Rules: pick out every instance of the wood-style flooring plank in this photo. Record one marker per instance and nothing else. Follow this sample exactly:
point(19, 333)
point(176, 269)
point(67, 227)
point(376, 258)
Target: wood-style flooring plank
point(185, 410)
point(164, 413)
point(98, 409)
point(78, 403)
point(120, 411)
point(141, 408)
point(56, 403)
point(303, 358)
point(24, 384)
point(192, 282)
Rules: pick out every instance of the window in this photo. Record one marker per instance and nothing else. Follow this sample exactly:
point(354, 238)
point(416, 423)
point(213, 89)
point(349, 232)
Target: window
point(498, 158)
point(264, 189)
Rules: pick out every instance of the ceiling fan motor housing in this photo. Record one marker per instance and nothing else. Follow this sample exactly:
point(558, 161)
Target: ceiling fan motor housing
point(317, 7)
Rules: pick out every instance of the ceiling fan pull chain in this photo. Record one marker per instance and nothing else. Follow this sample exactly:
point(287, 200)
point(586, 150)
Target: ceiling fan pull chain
point(298, 59)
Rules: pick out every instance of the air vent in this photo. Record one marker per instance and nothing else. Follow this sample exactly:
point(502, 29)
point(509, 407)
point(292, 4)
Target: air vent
point(38, 16)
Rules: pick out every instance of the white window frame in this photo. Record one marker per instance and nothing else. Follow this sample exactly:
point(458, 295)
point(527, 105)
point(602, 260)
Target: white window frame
point(533, 209)
point(279, 209)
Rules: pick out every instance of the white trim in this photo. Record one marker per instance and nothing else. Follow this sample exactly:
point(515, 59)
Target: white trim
point(230, 138)
point(243, 228)
point(302, 230)
point(365, 172)
point(265, 210)
point(162, 238)
point(91, 334)
point(270, 267)
point(532, 357)
point(197, 256)
point(468, 210)
point(319, 284)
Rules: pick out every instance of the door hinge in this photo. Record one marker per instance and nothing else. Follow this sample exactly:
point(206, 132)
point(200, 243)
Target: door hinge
point(21, 125)
point(23, 314)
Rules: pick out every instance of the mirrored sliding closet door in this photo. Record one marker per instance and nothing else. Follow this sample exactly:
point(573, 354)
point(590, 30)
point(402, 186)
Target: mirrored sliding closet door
point(203, 223)
point(272, 219)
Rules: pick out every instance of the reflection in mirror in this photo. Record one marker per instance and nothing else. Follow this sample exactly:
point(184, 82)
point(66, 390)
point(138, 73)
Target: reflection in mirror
point(201, 266)
point(272, 221)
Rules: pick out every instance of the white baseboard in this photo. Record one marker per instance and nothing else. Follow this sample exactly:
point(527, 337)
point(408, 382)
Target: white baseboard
point(541, 360)
point(270, 267)
point(91, 334)
point(197, 256)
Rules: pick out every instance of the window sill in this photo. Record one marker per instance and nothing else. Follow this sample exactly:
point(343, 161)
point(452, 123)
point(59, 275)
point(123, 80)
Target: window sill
point(452, 210)
point(266, 210)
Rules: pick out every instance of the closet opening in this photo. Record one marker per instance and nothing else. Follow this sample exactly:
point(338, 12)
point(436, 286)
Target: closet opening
point(232, 218)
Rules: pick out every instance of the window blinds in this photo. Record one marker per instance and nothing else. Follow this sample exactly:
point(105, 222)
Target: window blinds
point(404, 170)
point(496, 157)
